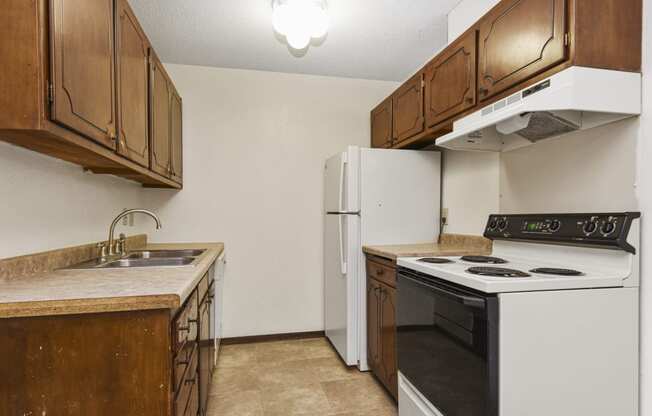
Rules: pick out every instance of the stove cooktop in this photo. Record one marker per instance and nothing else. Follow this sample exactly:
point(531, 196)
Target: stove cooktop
point(435, 260)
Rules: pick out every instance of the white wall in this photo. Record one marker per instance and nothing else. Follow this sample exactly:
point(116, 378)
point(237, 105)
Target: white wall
point(470, 190)
point(255, 145)
point(48, 203)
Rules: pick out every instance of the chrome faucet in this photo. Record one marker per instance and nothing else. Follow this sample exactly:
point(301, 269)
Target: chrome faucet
point(111, 248)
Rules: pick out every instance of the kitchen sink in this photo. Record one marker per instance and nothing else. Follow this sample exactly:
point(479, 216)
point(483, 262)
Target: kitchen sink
point(146, 262)
point(156, 254)
point(145, 258)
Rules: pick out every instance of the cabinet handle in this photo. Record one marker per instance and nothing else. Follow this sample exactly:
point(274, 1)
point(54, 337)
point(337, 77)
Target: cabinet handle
point(380, 272)
point(469, 100)
point(190, 381)
point(483, 91)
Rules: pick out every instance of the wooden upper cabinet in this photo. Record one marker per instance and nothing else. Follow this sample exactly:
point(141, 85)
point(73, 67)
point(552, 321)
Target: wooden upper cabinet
point(83, 67)
point(160, 93)
point(407, 109)
point(519, 39)
point(451, 81)
point(381, 124)
point(176, 136)
point(132, 54)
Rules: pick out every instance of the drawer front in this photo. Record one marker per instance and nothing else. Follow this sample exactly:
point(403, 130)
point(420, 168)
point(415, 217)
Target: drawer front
point(185, 325)
point(188, 384)
point(382, 273)
point(182, 362)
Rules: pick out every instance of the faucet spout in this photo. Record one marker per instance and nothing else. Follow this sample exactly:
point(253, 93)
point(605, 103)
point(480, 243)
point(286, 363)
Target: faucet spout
point(124, 214)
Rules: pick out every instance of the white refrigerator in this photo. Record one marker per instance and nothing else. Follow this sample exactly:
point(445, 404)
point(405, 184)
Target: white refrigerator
point(372, 197)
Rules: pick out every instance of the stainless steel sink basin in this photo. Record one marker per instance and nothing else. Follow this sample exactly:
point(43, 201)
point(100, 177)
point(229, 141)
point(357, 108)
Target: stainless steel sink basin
point(148, 262)
point(146, 258)
point(156, 254)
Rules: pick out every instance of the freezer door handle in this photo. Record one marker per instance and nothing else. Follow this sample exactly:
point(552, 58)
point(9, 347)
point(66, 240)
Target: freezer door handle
point(342, 180)
point(340, 219)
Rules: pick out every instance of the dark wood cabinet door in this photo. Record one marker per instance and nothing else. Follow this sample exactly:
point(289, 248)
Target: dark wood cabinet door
point(519, 39)
point(381, 125)
point(373, 326)
point(408, 109)
point(82, 72)
point(160, 92)
point(176, 136)
point(388, 338)
point(132, 54)
point(451, 81)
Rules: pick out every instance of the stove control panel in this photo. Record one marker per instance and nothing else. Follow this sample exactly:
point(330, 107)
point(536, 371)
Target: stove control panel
point(595, 230)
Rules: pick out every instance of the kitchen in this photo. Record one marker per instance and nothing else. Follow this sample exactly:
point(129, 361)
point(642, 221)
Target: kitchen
point(258, 127)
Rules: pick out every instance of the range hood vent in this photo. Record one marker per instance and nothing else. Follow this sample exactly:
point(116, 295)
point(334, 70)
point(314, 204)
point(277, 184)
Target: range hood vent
point(575, 99)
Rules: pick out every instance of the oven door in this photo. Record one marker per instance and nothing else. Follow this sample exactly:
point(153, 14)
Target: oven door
point(447, 343)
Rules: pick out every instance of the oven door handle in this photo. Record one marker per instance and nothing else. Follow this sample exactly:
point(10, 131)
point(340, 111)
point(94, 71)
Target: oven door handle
point(466, 300)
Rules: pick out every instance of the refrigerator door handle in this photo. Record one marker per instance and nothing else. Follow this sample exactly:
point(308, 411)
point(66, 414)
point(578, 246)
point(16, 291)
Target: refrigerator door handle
point(342, 181)
point(340, 219)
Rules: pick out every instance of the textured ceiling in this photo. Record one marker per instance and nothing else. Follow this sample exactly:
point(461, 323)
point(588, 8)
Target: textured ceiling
point(371, 39)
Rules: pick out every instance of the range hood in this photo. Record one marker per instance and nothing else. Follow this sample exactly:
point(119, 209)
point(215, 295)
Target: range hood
point(576, 98)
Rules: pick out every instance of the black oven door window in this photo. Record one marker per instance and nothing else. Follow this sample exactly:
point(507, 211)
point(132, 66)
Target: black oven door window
point(447, 344)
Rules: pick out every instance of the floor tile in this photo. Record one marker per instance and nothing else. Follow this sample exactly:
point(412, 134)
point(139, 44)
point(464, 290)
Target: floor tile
point(356, 395)
point(293, 378)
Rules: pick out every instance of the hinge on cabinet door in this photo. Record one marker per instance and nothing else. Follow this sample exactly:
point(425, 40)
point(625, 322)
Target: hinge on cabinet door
point(566, 39)
point(50, 92)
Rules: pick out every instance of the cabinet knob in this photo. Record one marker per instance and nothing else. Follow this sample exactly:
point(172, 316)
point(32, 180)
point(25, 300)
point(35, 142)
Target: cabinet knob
point(483, 91)
point(380, 272)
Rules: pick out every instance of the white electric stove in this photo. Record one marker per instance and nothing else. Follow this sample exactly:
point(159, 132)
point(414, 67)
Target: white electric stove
point(547, 324)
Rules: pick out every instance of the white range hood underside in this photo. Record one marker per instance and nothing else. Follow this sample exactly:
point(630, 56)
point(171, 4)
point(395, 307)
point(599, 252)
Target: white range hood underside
point(577, 98)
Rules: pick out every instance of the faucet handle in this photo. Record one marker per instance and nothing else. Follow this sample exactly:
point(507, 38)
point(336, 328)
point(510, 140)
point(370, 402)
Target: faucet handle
point(101, 248)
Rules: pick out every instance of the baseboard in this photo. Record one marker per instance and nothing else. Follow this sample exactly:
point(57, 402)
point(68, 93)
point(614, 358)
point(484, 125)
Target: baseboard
point(272, 337)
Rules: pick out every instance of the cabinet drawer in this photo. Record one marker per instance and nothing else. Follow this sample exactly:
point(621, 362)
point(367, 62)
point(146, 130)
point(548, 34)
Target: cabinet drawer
point(382, 273)
point(182, 362)
point(185, 325)
point(188, 384)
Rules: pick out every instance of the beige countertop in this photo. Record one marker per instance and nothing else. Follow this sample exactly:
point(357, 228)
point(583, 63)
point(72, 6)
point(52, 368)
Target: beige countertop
point(62, 292)
point(449, 245)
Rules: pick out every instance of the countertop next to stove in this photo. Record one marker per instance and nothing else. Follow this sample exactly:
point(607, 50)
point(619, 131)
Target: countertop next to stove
point(449, 245)
point(62, 292)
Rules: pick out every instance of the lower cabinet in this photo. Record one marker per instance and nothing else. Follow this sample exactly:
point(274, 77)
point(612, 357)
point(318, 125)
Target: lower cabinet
point(133, 363)
point(381, 322)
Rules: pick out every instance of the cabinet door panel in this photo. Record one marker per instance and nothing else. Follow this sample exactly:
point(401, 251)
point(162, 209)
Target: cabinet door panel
point(373, 326)
point(132, 67)
point(388, 338)
point(83, 67)
point(160, 91)
point(408, 109)
point(176, 137)
point(451, 81)
point(519, 39)
point(381, 125)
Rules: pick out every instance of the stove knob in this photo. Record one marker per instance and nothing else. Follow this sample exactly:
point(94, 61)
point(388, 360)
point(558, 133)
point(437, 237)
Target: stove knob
point(590, 226)
point(555, 225)
point(608, 227)
point(502, 224)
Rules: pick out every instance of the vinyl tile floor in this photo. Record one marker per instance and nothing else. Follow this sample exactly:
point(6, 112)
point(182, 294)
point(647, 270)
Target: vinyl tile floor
point(287, 378)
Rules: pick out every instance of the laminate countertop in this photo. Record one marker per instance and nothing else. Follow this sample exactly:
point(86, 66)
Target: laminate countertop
point(449, 245)
point(63, 292)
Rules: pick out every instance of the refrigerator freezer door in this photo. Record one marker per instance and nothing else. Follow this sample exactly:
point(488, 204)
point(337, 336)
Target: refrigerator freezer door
point(340, 271)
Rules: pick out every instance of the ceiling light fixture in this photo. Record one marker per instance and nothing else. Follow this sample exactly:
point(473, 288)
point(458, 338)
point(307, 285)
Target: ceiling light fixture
point(300, 20)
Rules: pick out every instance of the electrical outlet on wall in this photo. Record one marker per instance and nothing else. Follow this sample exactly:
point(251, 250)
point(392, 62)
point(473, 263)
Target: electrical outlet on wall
point(127, 221)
